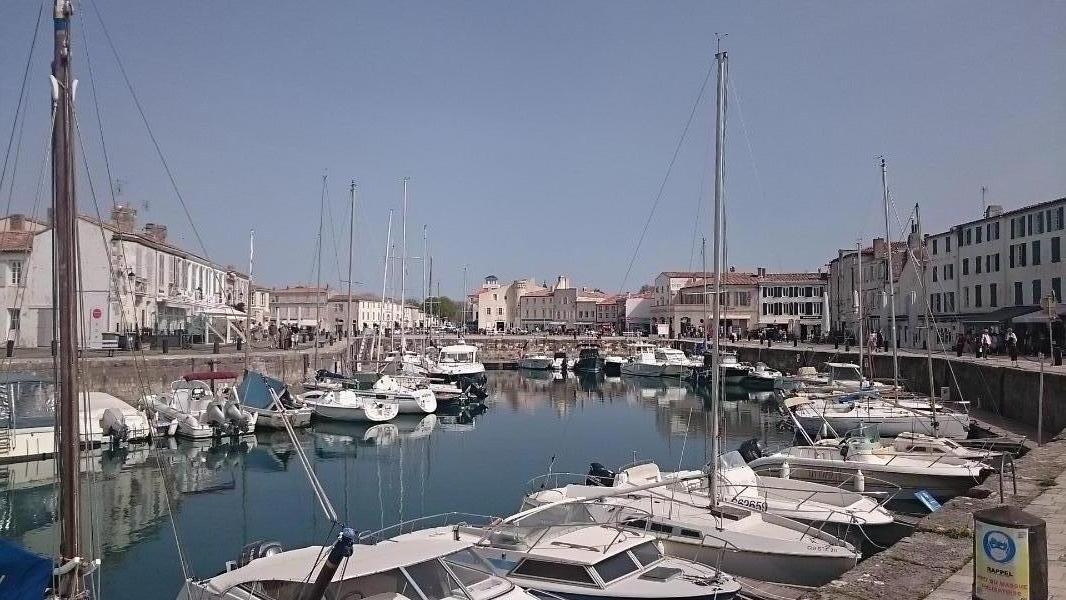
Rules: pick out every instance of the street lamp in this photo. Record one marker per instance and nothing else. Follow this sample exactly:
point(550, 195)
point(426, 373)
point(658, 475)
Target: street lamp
point(1050, 304)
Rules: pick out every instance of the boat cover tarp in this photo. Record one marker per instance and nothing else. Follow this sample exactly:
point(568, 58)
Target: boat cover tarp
point(327, 374)
point(23, 575)
point(254, 390)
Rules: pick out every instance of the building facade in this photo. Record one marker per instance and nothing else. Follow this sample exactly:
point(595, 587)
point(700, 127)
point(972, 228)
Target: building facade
point(131, 282)
point(795, 303)
point(498, 306)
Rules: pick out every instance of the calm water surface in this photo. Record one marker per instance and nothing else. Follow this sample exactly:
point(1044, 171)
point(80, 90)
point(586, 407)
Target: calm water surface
point(220, 497)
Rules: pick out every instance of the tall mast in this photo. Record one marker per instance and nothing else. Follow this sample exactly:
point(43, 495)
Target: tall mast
point(891, 285)
point(425, 285)
point(719, 185)
point(248, 301)
point(66, 276)
point(928, 323)
point(403, 269)
point(858, 305)
point(706, 290)
point(384, 289)
point(318, 276)
point(349, 328)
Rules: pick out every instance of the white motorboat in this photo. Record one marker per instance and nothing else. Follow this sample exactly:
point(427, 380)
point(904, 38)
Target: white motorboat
point(438, 568)
point(612, 364)
point(851, 412)
point(191, 409)
point(410, 400)
point(837, 377)
point(27, 419)
point(561, 551)
point(856, 461)
point(675, 363)
point(745, 542)
point(458, 363)
point(346, 405)
point(536, 362)
point(843, 513)
point(642, 361)
point(271, 401)
point(761, 377)
point(920, 443)
point(733, 371)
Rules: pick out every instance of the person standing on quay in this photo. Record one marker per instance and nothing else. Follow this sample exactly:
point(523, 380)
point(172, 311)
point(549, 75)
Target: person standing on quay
point(986, 343)
point(1012, 346)
point(871, 342)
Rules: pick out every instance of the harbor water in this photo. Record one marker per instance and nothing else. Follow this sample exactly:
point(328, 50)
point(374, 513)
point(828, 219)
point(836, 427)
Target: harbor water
point(216, 497)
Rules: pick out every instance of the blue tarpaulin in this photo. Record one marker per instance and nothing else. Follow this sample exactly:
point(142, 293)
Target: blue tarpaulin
point(23, 575)
point(254, 390)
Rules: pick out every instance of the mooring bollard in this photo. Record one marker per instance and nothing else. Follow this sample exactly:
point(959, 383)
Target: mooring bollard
point(214, 348)
point(769, 343)
point(1010, 554)
point(239, 344)
point(795, 342)
point(165, 345)
point(10, 348)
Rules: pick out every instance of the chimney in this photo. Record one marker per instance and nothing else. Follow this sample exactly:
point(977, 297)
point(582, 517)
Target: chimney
point(993, 210)
point(761, 271)
point(562, 283)
point(18, 222)
point(155, 232)
point(124, 217)
point(880, 248)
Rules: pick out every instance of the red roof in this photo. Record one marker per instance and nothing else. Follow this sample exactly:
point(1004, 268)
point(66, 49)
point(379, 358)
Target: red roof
point(731, 278)
point(676, 274)
point(539, 294)
point(791, 277)
point(14, 241)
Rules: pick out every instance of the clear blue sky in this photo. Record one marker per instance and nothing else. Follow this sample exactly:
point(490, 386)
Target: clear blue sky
point(536, 134)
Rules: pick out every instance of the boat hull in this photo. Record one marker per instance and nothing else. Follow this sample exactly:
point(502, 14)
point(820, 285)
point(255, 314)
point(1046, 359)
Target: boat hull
point(949, 427)
point(375, 412)
point(272, 419)
point(589, 365)
point(535, 364)
point(641, 369)
point(774, 567)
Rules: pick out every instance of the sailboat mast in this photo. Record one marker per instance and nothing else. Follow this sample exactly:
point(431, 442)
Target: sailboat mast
point(891, 284)
point(425, 285)
point(719, 185)
point(403, 270)
point(928, 323)
point(248, 301)
point(858, 306)
point(318, 276)
point(384, 290)
point(66, 276)
point(706, 290)
point(349, 328)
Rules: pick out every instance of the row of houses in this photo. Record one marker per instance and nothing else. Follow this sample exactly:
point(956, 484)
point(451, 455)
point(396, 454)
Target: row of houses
point(990, 273)
point(132, 280)
point(310, 307)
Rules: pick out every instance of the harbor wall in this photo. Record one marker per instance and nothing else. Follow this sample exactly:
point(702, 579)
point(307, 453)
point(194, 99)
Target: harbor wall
point(129, 375)
point(1004, 390)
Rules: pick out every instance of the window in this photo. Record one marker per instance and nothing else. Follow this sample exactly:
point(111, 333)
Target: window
point(965, 266)
point(646, 553)
point(978, 235)
point(934, 301)
point(934, 273)
point(1012, 228)
point(615, 567)
point(977, 300)
point(488, 311)
point(950, 302)
point(1040, 222)
point(1018, 300)
point(543, 569)
point(995, 229)
point(949, 271)
point(969, 237)
point(1056, 250)
point(1036, 251)
point(1056, 288)
point(1036, 291)
point(993, 295)
point(966, 297)
point(15, 269)
point(988, 263)
point(977, 264)
point(1021, 255)
point(1011, 261)
point(934, 246)
point(947, 244)
point(14, 319)
point(499, 311)
point(996, 262)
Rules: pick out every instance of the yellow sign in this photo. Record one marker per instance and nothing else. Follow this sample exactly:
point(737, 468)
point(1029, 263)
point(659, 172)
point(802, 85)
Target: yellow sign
point(1001, 562)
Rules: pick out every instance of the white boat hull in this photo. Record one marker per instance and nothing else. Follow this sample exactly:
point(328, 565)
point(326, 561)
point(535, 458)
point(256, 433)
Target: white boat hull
point(274, 419)
point(375, 412)
point(637, 369)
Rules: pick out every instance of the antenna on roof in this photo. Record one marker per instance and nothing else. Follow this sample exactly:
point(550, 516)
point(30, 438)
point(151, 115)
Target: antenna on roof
point(984, 205)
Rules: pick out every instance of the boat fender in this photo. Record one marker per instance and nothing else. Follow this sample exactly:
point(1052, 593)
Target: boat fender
point(786, 470)
point(172, 429)
point(113, 424)
point(600, 475)
point(860, 482)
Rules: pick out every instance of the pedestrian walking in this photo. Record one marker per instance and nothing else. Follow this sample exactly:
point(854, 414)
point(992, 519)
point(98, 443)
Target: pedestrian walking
point(871, 342)
point(986, 343)
point(1012, 346)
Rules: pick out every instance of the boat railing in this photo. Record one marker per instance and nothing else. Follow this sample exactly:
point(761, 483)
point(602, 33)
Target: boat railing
point(556, 480)
point(425, 522)
point(886, 490)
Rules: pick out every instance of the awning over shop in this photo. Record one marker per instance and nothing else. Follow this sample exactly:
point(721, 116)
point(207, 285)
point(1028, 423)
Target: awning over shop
point(1040, 316)
point(1003, 315)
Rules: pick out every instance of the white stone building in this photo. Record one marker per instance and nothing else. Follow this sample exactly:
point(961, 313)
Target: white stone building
point(131, 281)
point(497, 306)
point(794, 303)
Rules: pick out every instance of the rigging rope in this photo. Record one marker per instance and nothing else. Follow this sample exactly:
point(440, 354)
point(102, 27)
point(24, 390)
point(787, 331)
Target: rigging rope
point(18, 111)
point(666, 177)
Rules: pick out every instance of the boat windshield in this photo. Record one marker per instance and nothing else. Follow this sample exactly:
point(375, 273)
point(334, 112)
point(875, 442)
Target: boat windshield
point(475, 575)
point(731, 460)
point(457, 357)
point(845, 374)
point(865, 433)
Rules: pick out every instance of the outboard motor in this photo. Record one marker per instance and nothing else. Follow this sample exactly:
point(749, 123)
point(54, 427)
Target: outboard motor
point(476, 390)
point(751, 450)
point(113, 425)
point(237, 417)
point(258, 549)
point(214, 415)
point(599, 475)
